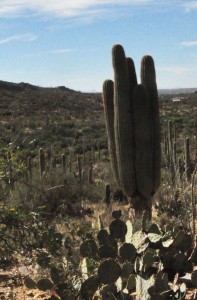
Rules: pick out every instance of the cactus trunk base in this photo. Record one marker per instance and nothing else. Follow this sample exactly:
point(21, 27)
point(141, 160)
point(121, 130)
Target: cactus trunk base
point(141, 204)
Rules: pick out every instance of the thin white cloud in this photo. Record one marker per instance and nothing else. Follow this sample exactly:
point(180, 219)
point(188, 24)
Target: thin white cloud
point(68, 8)
point(190, 5)
point(59, 51)
point(177, 70)
point(28, 37)
point(188, 43)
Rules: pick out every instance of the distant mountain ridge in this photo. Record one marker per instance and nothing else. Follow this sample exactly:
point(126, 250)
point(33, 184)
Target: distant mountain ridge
point(6, 85)
point(27, 86)
point(177, 91)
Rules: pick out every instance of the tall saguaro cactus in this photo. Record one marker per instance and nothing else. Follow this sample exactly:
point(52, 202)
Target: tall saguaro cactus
point(133, 128)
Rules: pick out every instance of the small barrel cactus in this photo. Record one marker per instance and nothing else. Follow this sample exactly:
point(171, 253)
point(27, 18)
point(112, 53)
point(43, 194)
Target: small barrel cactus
point(133, 128)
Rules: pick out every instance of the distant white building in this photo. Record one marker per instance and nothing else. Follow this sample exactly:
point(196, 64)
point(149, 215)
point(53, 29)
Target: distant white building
point(176, 99)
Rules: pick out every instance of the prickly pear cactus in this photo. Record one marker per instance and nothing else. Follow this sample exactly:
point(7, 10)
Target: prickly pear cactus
point(143, 267)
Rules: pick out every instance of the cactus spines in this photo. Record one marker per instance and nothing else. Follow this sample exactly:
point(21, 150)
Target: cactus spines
point(133, 128)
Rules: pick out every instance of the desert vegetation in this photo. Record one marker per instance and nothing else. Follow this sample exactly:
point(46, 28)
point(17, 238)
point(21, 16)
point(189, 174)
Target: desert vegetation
point(98, 195)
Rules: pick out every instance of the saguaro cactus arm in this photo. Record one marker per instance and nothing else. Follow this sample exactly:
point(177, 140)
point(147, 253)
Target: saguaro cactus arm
point(148, 78)
point(108, 101)
point(122, 120)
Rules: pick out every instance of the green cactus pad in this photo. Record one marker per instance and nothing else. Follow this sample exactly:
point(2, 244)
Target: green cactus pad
point(127, 252)
point(88, 249)
point(183, 288)
point(103, 237)
point(53, 297)
point(127, 269)
point(154, 228)
point(154, 233)
point(168, 257)
point(43, 260)
point(167, 228)
point(188, 267)
point(129, 234)
point(193, 256)
point(108, 291)
point(166, 295)
point(106, 251)
point(178, 262)
point(148, 260)
point(186, 243)
point(44, 284)
point(131, 283)
point(62, 290)
point(194, 278)
point(167, 239)
point(178, 238)
point(118, 229)
point(116, 214)
point(109, 271)
point(140, 241)
point(161, 282)
point(154, 237)
point(138, 265)
point(89, 287)
point(30, 283)
point(55, 276)
point(181, 264)
point(175, 230)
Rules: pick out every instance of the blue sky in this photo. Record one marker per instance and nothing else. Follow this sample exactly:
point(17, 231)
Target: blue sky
point(68, 42)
